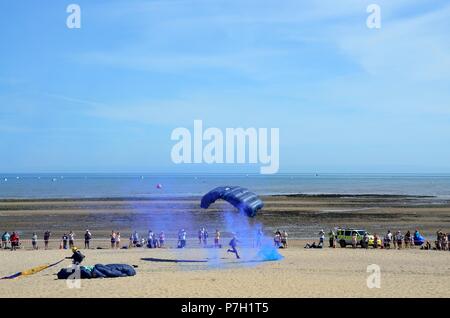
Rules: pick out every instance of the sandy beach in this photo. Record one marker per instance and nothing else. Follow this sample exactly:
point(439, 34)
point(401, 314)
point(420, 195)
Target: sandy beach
point(195, 272)
point(302, 273)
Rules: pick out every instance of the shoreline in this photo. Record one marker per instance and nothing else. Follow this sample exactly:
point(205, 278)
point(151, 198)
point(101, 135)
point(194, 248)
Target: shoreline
point(302, 216)
point(198, 197)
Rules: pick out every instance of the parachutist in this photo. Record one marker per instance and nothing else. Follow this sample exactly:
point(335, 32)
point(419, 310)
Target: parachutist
point(233, 244)
point(76, 257)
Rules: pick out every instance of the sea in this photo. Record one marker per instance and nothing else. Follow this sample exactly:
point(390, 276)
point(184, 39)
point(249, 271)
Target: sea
point(89, 185)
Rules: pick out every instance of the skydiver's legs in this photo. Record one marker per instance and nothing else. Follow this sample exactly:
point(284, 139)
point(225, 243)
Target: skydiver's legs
point(234, 251)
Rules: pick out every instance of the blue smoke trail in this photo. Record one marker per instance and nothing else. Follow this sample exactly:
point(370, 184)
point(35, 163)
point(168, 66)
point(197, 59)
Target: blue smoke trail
point(253, 249)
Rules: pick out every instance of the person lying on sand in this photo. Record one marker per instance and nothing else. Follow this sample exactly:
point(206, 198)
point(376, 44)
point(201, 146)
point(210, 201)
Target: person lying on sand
point(233, 244)
point(313, 245)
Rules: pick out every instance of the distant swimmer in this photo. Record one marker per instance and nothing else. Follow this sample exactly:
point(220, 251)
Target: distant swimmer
point(233, 244)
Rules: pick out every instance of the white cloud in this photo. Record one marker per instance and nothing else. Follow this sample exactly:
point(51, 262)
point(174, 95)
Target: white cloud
point(412, 48)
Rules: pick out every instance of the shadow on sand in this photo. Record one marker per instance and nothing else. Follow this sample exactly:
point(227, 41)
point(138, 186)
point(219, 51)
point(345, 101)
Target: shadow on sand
point(164, 260)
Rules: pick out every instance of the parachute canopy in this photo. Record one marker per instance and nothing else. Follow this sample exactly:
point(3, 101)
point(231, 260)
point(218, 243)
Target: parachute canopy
point(99, 271)
point(239, 197)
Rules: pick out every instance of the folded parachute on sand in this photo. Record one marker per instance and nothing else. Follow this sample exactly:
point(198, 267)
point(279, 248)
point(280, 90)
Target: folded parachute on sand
point(99, 271)
point(239, 197)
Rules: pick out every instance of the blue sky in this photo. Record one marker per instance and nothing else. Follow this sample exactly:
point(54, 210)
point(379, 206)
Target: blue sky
point(106, 97)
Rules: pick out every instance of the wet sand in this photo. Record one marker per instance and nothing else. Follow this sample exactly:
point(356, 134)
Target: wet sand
point(302, 216)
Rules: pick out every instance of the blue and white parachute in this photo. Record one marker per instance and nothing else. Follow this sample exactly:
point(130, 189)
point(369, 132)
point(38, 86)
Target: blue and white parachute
point(242, 199)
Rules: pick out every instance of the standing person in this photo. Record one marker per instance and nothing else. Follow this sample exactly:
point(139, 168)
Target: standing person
point(217, 239)
point(87, 239)
point(416, 236)
point(15, 241)
point(233, 244)
point(277, 239)
point(394, 240)
point(407, 239)
point(440, 240)
point(5, 240)
point(150, 239)
point(366, 240)
point(205, 237)
point(375, 240)
point(332, 239)
point(321, 238)
point(155, 241)
point(162, 239)
point(65, 238)
point(46, 239)
point(284, 237)
point(445, 241)
point(135, 238)
point(113, 239)
point(399, 239)
point(34, 239)
point(179, 239)
point(388, 239)
point(71, 239)
point(118, 240)
point(200, 235)
point(354, 239)
point(259, 236)
point(130, 244)
point(182, 238)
